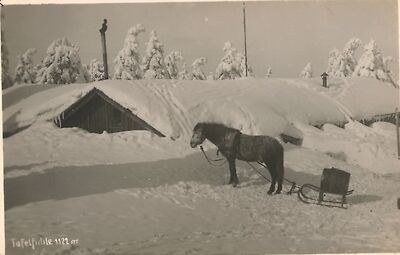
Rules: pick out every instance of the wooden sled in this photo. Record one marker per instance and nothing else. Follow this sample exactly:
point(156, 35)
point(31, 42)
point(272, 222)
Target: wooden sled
point(333, 181)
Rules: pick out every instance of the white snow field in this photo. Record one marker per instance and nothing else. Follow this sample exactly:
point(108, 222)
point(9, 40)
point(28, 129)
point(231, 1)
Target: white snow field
point(136, 193)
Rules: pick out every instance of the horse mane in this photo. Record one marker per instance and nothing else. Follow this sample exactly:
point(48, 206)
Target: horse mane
point(215, 128)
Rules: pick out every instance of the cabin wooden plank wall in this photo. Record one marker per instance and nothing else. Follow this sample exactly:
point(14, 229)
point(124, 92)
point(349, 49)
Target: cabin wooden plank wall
point(96, 113)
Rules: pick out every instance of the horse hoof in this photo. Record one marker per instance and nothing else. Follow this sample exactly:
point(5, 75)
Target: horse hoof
point(278, 192)
point(234, 185)
point(270, 193)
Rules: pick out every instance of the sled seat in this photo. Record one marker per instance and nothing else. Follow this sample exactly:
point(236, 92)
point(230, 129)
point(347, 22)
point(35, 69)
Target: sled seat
point(334, 181)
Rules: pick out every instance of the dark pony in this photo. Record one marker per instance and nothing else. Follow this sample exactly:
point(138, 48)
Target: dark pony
point(235, 145)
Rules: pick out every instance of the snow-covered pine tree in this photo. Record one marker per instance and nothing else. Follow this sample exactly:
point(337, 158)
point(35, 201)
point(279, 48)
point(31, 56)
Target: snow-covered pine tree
point(269, 72)
point(229, 66)
point(37, 68)
point(348, 53)
point(372, 64)
point(307, 72)
point(197, 73)
point(5, 64)
point(171, 64)
point(153, 61)
point(96, 70)
point(342, 64)
point(25, 72)
point(61, 64)
point(333, 59)
point(84, 75)
point(241, 62)
point(127, 63)
point(386, 61)
point(184, 74)
point(85, 71)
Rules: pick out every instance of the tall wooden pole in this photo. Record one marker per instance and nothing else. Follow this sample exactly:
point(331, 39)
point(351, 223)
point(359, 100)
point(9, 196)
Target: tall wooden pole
point(397, 133)
point(245, 39)
point(103, 30)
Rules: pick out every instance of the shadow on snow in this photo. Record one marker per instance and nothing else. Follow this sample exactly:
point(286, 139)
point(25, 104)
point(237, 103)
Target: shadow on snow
point(61, 183)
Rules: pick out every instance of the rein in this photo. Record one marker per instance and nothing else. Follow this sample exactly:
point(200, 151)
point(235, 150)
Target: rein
point(212, 160)
point(292, 188)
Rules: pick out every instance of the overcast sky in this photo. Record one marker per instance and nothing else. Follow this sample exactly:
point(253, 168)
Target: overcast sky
point(284, 35)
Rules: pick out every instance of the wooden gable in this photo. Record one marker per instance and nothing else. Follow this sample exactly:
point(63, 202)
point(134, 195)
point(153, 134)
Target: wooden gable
point(96, 112)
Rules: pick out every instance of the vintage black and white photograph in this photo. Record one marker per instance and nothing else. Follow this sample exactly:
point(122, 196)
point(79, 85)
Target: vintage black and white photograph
point(190, 128)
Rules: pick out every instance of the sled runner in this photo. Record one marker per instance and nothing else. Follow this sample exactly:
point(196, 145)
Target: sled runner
point(333, 181)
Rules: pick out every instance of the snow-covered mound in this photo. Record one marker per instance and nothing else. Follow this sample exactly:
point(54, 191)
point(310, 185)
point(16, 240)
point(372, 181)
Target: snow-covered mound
point(19, 92)
point(373, 148)
point(74, 147)
point(255, 106)
point(365, 97)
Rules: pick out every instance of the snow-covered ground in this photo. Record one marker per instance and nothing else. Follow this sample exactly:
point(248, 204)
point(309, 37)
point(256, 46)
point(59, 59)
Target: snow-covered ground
point(136, 193)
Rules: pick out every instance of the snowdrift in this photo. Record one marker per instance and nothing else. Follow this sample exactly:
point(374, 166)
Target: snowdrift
point(255, 106)
point(365, 98)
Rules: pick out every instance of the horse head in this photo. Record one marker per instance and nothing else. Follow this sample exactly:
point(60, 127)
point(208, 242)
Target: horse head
point(198, 136)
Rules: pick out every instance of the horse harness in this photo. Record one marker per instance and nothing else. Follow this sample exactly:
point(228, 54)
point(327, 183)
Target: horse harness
point(212, 160)
point(233, 147)
point(231, 143)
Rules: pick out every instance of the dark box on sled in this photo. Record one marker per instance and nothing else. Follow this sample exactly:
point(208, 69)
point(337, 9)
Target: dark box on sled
point(335, 181)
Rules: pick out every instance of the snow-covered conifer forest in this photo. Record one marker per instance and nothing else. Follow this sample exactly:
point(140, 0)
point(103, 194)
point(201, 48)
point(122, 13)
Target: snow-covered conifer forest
point(62, 64)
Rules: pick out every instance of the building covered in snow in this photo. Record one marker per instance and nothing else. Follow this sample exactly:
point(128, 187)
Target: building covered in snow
point(96, 113)
point(172, 108)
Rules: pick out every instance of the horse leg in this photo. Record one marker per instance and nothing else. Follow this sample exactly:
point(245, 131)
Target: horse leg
point(280, 172)
point(234, 180)
point(272, 172)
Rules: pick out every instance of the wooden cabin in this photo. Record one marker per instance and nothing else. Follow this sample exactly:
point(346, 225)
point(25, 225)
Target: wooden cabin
point(96, 113)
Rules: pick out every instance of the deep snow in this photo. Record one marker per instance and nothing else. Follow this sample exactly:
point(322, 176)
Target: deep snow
point(136, 193)
point(255, 106)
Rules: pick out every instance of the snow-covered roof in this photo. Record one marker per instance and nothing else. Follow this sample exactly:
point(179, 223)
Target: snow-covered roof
point(255, 106)
point(366, 97)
